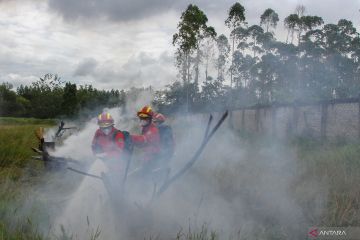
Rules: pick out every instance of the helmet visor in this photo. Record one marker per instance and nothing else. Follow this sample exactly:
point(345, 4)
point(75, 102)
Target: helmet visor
point(143, 115)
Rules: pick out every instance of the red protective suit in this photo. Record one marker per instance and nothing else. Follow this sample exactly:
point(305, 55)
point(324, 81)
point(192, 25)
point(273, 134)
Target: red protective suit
point(112, 144)
point(149, 141)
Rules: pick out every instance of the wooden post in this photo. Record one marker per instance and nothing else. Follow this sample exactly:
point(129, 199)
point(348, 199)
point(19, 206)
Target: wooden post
point(257, 119)
point(243, 119)
point(295, 122)
point(230, 120)
point(324, 113)
point(359, 117)
point(273, 121)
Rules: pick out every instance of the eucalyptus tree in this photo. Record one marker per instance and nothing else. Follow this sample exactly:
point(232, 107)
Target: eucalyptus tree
point(242, 71)
point(256, 33)
point(192, 28)
point(207, 50)
point(307, 23)
point(204, 52)
point(236, 19)
point(291, 22)
point(267, 78)
point(269, 19)
point(223, 48)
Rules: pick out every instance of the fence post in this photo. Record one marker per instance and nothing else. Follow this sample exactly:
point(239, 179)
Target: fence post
point(273, 120)
point(295, 122)
point(230, 119)
point(257, 119)
point(359, 116)
point(243, 119)
point(324, 110)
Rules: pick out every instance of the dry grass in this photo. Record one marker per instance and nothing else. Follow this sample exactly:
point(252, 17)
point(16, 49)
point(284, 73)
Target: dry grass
point(325, 184)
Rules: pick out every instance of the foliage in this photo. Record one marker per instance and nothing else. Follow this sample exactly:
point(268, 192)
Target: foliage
point(51, 98)
point(269, 19)
point(318, 61)
point(323, 65)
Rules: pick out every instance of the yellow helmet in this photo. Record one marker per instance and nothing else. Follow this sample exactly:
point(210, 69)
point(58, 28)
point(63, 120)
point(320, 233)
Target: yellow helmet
point(105, 120)
point(145, 112)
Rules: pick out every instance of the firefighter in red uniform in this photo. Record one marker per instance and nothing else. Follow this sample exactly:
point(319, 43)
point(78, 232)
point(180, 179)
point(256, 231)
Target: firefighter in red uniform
point(109, 143)
point(149, 140)
point(114, 148)
point(167, 142)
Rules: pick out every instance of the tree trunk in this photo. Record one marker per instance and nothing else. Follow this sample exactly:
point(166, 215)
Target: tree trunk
point(196, 79)
point(287, 36)
point(187, 81)
point(232, 62)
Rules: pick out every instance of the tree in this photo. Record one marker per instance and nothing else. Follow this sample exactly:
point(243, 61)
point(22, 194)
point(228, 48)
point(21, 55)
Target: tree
point(291, 22)
point(210, 35)
point(208, 54)
point(269, 19)
point(242, 72)
point(267, 77)
point(256, 33)
point(192, 29)
point(236, 18)
point(307, 23)
point(10, 103)
point(69, 104)
point(223, 47)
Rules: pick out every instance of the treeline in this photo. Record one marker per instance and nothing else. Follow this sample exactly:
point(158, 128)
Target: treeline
point(49, 97)
point(317, 61)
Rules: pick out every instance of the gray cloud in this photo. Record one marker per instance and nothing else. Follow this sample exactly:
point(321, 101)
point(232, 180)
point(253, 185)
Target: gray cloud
point(140, 70)
point(35, 40)
point(86, 67)
point(119, 10)
point(16, 79)
point(140, 10)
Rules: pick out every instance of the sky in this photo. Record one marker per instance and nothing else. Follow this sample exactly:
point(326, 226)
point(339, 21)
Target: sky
point(120, 44)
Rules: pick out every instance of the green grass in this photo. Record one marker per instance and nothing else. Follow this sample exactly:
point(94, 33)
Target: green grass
point(17, 136)
point(26, 121)
point(334, 166)
point(337, 164)
point(15, 145)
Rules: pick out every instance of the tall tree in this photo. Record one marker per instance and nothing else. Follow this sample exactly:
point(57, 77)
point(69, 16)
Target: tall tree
point(291, 22)
point(209, 35)
point(223, 47)
point(307, 23)
point(208, 51)
point(256, 33)
point(192, 29)
point(236, 18)
point(69, 104)
point(269, 19)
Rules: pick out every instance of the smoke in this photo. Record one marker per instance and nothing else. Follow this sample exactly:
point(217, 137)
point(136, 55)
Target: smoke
point(234, 188)
point(239, 189)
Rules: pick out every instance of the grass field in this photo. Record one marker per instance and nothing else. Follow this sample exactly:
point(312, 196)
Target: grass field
point(339, 165)
point(18, 172)
point(17, 136)
point(334, 163)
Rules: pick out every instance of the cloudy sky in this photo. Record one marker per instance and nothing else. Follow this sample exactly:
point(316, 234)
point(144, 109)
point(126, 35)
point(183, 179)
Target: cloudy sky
point(119, 43)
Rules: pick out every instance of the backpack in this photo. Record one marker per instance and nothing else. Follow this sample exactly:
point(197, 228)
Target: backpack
point(166, 140)
point(128, 145)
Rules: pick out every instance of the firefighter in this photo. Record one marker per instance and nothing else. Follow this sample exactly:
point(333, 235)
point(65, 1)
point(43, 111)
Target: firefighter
point(114, 148)
point(166, 138)
point(149, 140)
point(111, 144)
point(107, 142)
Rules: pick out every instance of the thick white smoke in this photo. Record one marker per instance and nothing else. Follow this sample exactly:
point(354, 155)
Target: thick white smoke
point(240, 189)
point(232, 188)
